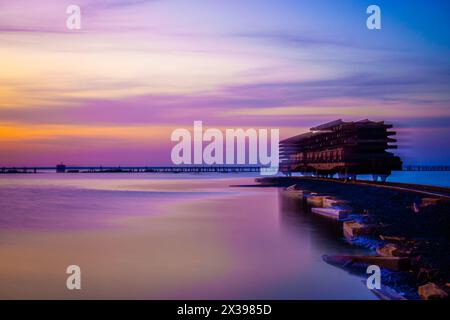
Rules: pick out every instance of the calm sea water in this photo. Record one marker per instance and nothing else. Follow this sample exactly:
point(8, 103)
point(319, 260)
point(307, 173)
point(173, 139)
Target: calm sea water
point(149, 236)
point(434, 178)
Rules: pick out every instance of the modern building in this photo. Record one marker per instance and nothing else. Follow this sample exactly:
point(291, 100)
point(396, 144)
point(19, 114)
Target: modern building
point(343, 148)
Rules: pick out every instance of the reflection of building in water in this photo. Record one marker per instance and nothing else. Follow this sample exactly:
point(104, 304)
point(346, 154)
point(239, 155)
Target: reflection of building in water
point(343, 148)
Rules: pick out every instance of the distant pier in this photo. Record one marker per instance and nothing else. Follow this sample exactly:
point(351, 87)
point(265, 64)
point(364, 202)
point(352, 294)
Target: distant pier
point(426, 168)
point(145, 169)
point(61, 168)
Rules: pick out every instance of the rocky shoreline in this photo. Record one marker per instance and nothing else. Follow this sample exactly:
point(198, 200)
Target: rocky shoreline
point(407, 232)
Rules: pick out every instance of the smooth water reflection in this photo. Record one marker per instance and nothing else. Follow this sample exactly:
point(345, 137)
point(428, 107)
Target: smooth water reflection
point(151, 236)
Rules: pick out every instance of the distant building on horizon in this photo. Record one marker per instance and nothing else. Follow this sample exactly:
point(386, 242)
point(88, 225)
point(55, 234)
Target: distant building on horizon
point(343, 148)
point(60, 168)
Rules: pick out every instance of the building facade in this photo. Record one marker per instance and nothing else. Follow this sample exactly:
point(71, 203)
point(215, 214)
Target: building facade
point(343, 148)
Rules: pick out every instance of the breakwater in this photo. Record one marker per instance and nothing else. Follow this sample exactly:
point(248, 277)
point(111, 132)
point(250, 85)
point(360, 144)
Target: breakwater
point(405, 226)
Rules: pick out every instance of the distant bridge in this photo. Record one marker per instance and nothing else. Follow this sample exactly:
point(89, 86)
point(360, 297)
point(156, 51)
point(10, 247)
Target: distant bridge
point(152, 169)
point(426, 168)
point(173, 169)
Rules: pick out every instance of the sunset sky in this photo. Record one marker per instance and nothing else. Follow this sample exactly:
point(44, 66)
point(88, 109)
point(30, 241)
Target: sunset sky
point(112, 92)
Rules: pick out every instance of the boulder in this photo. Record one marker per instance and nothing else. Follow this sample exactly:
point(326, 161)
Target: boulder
point(332, 202)
point(292, 188)
point(392, 238)
point(292, 192)
point(332, 213)
point(392, 250)
point(352, 229)
point(315, 201)
point(430, 202)
point(431, 291)
point(392, 263)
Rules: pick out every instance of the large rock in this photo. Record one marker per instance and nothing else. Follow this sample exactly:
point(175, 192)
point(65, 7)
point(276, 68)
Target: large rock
point(392, 238)
point(431, 291)
point(392, 263)
point(315, 201)
point(388, 250)
point(430, 202)
point(332, 213)
point(333, 202)
point(353, 229)
point(393, 250)
point(292, 192)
